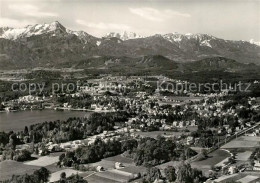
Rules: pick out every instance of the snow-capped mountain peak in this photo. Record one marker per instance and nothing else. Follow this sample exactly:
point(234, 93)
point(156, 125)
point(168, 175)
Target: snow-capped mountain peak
point(253, 42)
point(173, 37)
point(124, 35)
point(204, 39)
point(31, 30)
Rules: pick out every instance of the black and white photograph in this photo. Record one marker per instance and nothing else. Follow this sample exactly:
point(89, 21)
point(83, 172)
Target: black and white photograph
point(129, 91)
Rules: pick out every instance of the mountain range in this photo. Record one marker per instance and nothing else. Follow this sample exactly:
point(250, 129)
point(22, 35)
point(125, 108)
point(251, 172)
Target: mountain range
point(52, 45)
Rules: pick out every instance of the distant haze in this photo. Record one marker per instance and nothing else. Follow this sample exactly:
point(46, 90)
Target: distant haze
point(228, 19)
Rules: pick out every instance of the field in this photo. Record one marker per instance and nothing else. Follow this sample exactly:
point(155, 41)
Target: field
point(239, 177)
point(115, 176)
point(214, 158)
point(98, 179)
point(243, 156)
point(134, 169)
point(56, 175)
point(154, 134)
point(120, 158)
point(43, 161)
point(109, 163)
point(111, 174)
point(243, 142)
point(9, 168)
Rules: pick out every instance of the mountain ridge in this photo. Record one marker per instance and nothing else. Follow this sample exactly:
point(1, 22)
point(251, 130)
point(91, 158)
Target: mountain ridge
point(54, 44)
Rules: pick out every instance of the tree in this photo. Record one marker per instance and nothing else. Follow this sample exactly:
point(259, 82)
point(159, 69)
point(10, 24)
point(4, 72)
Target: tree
point(26, 131)
point(153, 174)
point(186, 174)
point(170, 173)
point(42, 174)
point(23, 155)
point(204, 153)
point(13, 141)
point(76, 179)
point(189, 153)
point(63, 177)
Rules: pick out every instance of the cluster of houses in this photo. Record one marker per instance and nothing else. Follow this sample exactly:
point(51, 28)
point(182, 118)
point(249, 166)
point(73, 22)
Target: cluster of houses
point(105, 136)
point(31, 99)
point(24, 102)
point(99, 107)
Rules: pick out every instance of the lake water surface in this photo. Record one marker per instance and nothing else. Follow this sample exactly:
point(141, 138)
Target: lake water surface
point(18, 120)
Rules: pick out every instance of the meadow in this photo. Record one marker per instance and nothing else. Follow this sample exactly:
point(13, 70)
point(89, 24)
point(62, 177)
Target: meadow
point(10, 167)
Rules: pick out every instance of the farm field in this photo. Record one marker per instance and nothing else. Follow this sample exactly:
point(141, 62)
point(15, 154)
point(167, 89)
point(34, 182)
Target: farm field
point(56, 175)
point(214, 158)
point(115, 176)
point(9, 168)
point(54, 168)
point(43, 161)
point(98, 179)
point(243, 142)
point(87, 173)
point(239, 177)
point(243, 156)
point(134, 169)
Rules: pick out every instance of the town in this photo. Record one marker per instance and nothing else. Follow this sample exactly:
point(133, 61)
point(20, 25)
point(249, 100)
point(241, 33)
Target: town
point(136, 132)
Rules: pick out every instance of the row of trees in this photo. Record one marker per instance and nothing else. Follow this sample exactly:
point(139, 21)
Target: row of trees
point(148, 152)
point(181, 174)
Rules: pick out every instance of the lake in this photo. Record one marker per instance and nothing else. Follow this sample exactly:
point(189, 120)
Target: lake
point(18, 120)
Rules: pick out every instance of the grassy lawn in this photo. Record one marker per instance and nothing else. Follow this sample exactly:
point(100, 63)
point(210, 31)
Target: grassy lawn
point(243, 142)
point(87, 173)
point(213, 158)
point(9, 168)
point(134, 169)
point(54, 168)
point(243, 156)
point(113, 176)
point(109, 163)
point(43, 161)
point(98, 179)
point(119, 158)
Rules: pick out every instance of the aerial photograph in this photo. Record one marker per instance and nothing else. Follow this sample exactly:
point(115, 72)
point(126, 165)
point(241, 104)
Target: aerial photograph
point(138, 91)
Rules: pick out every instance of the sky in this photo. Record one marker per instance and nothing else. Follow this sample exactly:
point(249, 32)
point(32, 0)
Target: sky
point(228, 19)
